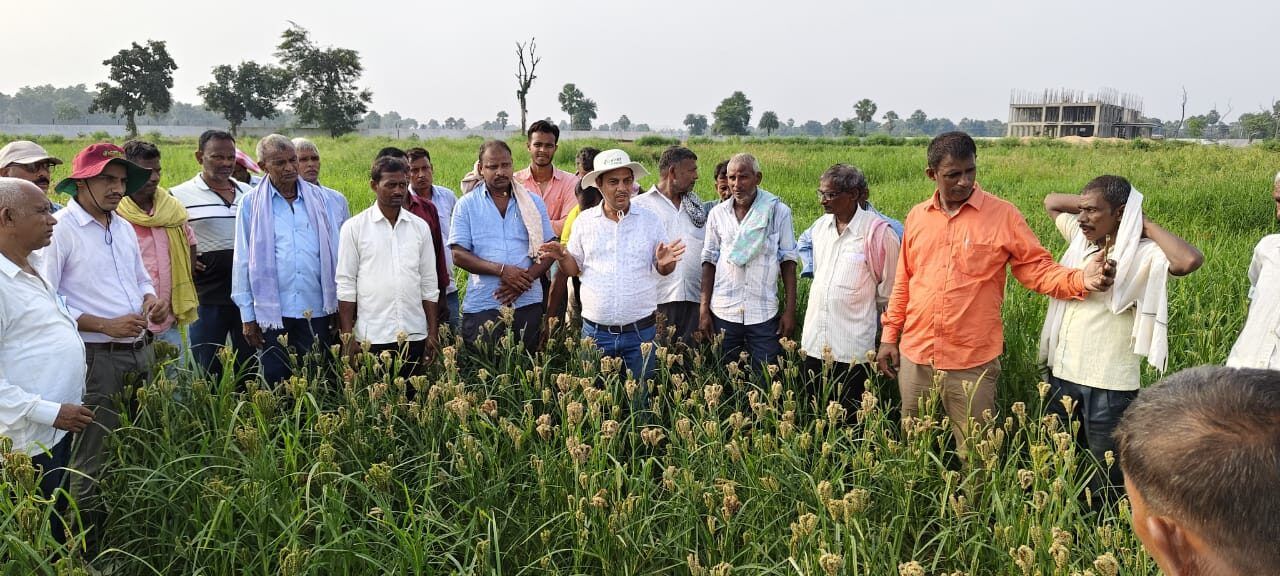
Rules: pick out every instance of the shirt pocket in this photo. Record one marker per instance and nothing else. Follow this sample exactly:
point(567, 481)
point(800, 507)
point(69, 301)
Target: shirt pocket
point(980, 261)
point(851, 273)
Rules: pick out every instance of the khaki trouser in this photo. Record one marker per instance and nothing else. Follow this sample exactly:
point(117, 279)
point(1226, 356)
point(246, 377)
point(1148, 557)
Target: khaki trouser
point(111, 372)
point(915, 381)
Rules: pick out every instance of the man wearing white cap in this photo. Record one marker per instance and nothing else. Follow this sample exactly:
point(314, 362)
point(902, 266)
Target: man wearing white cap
point(619, 251)
point(27, 160)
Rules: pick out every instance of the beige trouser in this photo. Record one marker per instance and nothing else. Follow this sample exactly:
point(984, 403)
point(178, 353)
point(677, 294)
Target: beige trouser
point(915, 381)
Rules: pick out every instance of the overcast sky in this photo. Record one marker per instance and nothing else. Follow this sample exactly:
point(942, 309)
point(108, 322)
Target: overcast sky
point(656, 61)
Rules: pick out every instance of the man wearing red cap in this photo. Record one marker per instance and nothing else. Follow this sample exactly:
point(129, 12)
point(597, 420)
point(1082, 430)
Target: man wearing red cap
point(95, 264)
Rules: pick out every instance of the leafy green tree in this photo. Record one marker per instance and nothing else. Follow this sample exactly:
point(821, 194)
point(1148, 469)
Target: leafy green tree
point(1259, 125)
point(581, 110)
point(891, 120)
point(865, 110)
point(143, 76)
point(392, 119)
point(768, 122)
point(849, 127)
point(733, 115)
point(323, 86)
point(501, 121)
point(623, 124)
point(249, 90)
point(371, 121)
point(917, 122)
point(696, 123)
point(811, 128)
point(1196, 126)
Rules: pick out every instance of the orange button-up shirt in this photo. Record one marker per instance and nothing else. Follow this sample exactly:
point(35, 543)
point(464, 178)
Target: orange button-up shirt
point(945, 307)
point(557, 193)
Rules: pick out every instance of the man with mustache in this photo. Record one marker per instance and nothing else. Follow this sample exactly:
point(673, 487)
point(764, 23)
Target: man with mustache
point(497, 233)
point(212, 197)
point(620, 250)
point(309, 170)
point(553, 185)
point(386, 277)
point(94, 262)
point(29, 161)
point(1259, 343)
point(1094, 347)
point(944, 314)
point(286, 251)
point(750, 244)
point(683, 217)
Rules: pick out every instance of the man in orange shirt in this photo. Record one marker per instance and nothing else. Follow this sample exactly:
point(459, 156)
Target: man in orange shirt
point(944, 314)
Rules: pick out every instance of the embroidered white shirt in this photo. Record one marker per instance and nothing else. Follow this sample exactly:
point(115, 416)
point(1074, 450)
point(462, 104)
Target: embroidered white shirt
point(617, 262)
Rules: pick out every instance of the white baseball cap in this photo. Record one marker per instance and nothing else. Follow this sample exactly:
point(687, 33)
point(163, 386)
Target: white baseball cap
point(24, 152)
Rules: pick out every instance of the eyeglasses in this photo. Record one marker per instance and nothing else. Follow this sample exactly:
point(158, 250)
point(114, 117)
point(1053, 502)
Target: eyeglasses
point(35, 166)
point(827, 196)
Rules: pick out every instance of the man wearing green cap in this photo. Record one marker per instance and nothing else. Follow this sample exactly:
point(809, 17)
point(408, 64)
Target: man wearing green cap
point(94, 262)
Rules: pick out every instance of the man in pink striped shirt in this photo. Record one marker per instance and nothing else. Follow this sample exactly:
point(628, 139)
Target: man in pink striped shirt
point(554, 185)
point(154, 213)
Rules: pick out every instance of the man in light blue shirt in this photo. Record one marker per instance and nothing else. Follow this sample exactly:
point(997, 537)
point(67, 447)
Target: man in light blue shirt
point(283, 270)
point(490, 238)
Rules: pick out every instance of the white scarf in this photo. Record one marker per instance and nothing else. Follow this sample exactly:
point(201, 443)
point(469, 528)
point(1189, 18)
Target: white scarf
point(1142, 275)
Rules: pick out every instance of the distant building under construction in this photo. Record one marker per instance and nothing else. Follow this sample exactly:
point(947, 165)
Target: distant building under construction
point(1058, 113)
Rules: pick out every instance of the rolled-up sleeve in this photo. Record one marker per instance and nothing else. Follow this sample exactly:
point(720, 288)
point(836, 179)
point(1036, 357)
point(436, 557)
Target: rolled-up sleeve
point(786, 234)
point(1034, 267)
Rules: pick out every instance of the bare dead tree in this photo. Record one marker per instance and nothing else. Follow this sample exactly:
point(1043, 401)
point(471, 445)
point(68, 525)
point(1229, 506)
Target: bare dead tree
point(528, 63)
point(1182, 119)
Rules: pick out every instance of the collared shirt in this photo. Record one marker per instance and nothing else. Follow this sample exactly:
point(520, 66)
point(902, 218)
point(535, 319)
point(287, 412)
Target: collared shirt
point(945, 308)
point(685, 283)
point(804, 244)
point(617, 263)
point(747, 294)
point(214, 222)
point(445, 200)
point(1259, 342)
point(427, 210)
point(847, 293)
point(479, 229)
point(153, 243)
point(339, 208)
point(387, 271)
point(297, 247)
point(558, 193)
point(98, 269)
point(1095, 345)
point(42, 361)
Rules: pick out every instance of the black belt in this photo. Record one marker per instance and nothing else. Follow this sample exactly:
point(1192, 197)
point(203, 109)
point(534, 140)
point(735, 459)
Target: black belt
point(641, 324)
point(134, 346)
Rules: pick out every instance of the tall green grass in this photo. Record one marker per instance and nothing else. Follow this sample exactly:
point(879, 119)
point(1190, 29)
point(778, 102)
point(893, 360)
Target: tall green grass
point(505, 464)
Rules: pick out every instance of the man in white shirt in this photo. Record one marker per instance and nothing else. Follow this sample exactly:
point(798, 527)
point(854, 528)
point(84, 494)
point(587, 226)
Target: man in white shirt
point(94, 262)
point(1094, 347)
point(309, 171)
point(42, 365)
point(1259, 343)
point(387, 287)
point(855, 260)
point(683, 217)
point(749, 243)
point(212, 198)
point(619, 251)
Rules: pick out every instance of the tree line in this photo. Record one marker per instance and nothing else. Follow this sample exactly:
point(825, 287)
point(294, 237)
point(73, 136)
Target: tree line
point(311, 85)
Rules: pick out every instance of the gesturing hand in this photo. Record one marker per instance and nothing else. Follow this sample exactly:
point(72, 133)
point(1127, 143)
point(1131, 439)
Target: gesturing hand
point(669, 254)
point(552, 249)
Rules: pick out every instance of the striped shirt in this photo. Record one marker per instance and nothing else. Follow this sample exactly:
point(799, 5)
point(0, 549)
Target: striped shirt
point(747, 294)
point(214, 222)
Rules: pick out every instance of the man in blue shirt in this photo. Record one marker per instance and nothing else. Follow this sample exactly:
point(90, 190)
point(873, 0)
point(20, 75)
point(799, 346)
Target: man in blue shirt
point(283, 270)
point(495, 236)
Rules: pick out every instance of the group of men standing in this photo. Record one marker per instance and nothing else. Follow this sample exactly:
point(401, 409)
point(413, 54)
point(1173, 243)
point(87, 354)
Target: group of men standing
point(280, 268)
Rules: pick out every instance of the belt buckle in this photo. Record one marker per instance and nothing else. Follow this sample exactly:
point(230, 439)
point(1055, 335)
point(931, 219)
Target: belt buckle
point(620, 329)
